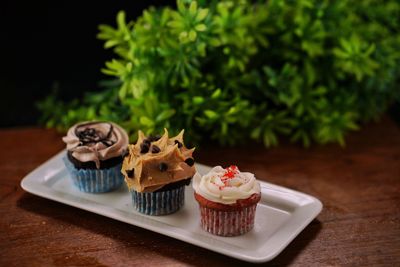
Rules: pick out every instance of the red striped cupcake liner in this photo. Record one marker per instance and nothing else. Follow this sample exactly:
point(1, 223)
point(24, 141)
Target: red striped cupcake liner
point(228, 223)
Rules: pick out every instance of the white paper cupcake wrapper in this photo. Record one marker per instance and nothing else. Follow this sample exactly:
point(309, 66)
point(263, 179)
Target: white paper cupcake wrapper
point(228, 223)
point(95, 180)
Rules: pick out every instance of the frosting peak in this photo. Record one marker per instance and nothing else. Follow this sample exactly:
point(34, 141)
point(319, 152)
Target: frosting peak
point(96, 141)
point(155, 161)
point(226, 186)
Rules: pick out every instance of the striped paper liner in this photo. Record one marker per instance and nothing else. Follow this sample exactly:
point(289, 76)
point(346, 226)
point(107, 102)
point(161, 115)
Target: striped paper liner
point(95, 180)
point(159, 203)
point(228, 223)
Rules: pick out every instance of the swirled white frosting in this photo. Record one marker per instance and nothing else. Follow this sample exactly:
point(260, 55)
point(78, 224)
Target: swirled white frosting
point(112, 142)
point(216, 187)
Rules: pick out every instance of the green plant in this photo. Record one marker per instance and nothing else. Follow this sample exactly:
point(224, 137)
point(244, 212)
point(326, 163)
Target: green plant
point(234, 70)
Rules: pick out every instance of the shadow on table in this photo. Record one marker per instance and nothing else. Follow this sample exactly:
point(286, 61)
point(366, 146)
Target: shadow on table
point(138, 241)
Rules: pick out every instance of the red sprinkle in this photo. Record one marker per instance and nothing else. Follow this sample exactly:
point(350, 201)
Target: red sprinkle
point(230, 172)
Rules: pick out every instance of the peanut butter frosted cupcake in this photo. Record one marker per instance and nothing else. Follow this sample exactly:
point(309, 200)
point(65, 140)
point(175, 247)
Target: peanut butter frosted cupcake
point(95, 152)
point(156, 171)
point(228, 199)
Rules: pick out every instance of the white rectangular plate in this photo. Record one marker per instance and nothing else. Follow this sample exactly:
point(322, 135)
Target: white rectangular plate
point(281, 214)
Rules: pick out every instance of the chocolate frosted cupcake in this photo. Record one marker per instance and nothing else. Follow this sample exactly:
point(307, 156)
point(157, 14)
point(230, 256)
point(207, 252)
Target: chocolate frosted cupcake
point(156, 171)
point(95, 153)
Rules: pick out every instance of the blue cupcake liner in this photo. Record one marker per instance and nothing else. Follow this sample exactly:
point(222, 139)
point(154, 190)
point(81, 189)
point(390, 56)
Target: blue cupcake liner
point(159, 203)
point(95, 180)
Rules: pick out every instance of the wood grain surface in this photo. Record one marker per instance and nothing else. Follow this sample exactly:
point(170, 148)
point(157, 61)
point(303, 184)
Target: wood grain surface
point(359, 225)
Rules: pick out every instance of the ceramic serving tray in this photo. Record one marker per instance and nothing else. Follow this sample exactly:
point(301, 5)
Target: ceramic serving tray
point(281, 214)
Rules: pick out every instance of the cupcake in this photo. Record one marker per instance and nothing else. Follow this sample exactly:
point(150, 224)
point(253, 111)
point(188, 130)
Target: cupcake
point(227, 199)
point(95, 152)
point(156, 171)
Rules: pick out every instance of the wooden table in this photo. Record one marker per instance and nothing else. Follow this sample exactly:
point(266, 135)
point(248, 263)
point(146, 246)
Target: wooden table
point(358, 226)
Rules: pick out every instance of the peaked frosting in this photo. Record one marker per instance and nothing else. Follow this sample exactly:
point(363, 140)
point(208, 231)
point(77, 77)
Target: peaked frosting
point(154, 162)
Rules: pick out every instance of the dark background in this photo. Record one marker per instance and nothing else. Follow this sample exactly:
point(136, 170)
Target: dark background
point(53, 43)
point(47, 44)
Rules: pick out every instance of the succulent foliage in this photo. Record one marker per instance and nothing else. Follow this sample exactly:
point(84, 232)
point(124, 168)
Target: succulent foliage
point(236, 70)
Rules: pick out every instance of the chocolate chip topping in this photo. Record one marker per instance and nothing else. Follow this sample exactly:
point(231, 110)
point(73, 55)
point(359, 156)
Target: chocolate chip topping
point(179, 143)
point(147, 142)
point(144, 148)
point(163, 167)
point(189, 161)
point(130, 173)
point(153, 138)
point(155, 149)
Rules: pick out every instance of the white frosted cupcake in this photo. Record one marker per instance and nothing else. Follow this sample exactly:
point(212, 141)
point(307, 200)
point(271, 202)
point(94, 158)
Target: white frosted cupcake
point(228, 199)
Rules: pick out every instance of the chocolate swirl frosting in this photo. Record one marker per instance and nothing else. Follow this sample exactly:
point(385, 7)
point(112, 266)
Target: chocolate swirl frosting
point(96, 141)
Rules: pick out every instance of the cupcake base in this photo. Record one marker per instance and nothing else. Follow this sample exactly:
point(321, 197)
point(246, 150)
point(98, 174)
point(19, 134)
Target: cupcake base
point(95, 180)
point(228, 219)
point(104, 164)
point(159, 203)
point(228, 223)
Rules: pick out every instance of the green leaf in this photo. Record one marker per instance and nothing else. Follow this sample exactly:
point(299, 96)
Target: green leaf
point(192, 35)
point(256, 133)
point(198, 100)
point(201, 27)
point(193, 8)
point(216, 94)
point(176, 24)
point(146, 121)
point(211, 114)
point(121, 20)
point(181, 6)
point(166, 114)
point(202, 14)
